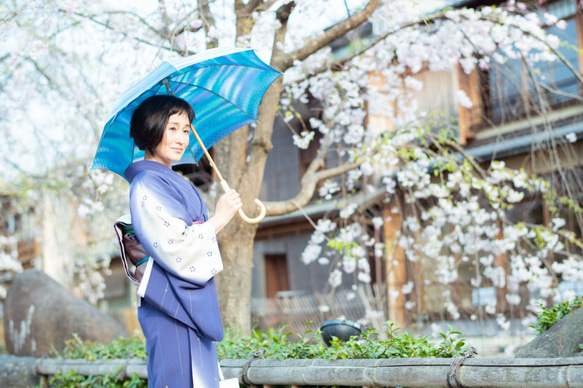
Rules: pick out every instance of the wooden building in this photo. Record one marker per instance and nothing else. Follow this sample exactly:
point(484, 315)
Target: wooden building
point(501, 125)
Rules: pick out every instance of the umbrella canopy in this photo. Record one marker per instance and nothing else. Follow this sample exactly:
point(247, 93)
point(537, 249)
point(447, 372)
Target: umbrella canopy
point(224, 87)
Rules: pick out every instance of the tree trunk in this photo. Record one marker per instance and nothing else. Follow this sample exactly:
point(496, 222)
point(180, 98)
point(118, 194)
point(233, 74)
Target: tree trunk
point(234, 283)
point(245, 171)
point(236, 240)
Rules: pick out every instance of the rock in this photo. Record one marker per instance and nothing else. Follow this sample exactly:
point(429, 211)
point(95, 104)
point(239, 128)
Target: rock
point(18, 372)
point(561, 340)
point(40, 314)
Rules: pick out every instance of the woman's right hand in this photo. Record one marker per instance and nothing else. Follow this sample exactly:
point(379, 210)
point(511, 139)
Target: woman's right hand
point(227, 206)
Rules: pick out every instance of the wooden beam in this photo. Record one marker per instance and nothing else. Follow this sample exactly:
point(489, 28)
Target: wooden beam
point(501, 261)
point(396, 268)
point(579, 27)
point(468, 118)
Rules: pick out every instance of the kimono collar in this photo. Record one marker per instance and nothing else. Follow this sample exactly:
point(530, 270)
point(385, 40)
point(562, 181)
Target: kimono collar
point(142, 165)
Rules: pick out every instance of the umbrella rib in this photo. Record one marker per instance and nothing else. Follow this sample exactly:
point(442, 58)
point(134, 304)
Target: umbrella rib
point(192, 152)
point(218, 95)
point(270, 69)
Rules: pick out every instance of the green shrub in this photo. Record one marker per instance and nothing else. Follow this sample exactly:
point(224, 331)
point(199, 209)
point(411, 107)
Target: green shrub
point(277, 344)
point(551, 315)
point(121, 348)
point(273, 344)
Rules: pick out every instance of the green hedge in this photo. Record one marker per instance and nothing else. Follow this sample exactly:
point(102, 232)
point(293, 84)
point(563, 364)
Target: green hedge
point(273, 344)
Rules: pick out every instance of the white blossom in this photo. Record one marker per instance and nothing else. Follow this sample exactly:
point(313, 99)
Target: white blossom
point(407, 288)
point(463, 99)
point(410, 304)
point(335, 278)
point(311, 253)
point(364, 277)
point(571, 137)
point(513, 299)
point(303, 140)
point(502, 322)
point(348, 210)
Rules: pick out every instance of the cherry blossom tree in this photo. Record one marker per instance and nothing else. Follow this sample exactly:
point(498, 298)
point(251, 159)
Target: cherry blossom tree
point(65, 62)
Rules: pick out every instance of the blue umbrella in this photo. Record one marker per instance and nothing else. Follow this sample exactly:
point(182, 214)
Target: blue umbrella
point(224, 87)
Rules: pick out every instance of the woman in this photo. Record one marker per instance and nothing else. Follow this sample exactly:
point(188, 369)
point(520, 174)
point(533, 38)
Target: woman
point(178, 309)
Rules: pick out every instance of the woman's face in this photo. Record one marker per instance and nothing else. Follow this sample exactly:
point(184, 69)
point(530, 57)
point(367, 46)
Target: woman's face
point(174, 141)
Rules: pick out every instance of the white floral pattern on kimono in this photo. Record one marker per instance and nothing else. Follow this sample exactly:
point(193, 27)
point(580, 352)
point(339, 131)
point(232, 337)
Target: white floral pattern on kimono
point(190, 252)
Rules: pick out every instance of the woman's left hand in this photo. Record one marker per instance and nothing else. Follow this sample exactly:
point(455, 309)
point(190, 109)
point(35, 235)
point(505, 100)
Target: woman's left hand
point(227, 206)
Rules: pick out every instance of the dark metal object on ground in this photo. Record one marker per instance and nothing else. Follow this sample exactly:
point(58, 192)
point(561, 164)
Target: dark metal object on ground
point(339, 328)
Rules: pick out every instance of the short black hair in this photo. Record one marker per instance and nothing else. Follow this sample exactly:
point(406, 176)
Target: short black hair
point(150, 118)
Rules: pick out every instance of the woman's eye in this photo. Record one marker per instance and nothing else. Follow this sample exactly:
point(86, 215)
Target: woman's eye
point(172, 128)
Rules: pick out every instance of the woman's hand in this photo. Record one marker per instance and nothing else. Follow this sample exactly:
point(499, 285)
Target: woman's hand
point(227, 205)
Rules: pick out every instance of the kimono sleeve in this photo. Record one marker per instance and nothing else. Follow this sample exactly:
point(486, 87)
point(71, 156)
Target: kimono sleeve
point(190, 252)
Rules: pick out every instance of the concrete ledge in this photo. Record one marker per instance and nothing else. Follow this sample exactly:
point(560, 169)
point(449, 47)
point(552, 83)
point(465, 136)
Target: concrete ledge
point(409, 372)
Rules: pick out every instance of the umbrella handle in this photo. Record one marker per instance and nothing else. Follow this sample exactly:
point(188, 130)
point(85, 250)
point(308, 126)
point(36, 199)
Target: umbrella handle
point(242, 214)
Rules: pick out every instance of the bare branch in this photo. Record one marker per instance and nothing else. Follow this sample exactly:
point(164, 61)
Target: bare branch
point(184, 28)
point(252, 5)
point(43, 72)
point(244, 12)
point(308, 186)
point(208, 21)
point(285, 61)
point(93, 19)
point(549, 129)
point(282, 14)
point(163, 11)
point(141, 19)
point(560, 56)
point(170, 35)
point(560, 93)
point(266, 5)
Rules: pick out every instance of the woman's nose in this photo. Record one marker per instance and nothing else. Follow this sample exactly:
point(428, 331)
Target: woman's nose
point(184, 138)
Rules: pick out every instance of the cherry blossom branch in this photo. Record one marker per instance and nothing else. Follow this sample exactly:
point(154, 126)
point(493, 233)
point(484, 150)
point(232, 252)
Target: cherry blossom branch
point(565, 61)
point(285, 61)
point(458, 148)
point(559, 55)
point(337, 64)
point(93, 19)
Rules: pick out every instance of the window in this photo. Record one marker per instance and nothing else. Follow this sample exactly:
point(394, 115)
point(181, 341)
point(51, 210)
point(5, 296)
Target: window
point(508, 91)
point(276, 273)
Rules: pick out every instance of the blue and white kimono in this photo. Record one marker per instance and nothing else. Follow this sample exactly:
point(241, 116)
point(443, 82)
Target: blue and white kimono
point(179, 311)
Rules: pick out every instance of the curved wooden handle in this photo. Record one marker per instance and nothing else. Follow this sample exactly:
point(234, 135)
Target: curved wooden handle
point(257, 219)
point(242, 214)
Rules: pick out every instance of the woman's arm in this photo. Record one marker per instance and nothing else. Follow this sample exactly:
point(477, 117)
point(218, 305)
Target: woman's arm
point(190, 252)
